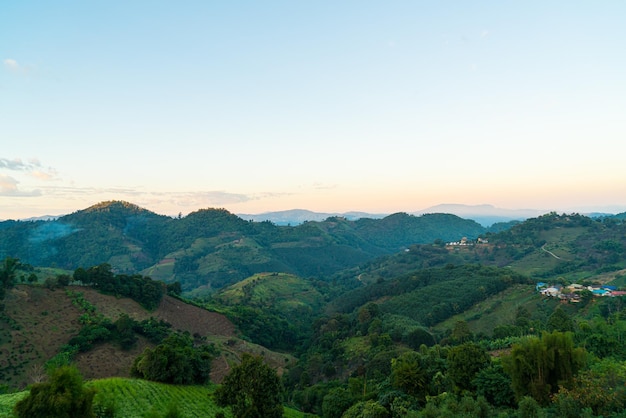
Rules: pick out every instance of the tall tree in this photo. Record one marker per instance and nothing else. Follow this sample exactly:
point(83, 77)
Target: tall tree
point(252, 390)
point(538, 366)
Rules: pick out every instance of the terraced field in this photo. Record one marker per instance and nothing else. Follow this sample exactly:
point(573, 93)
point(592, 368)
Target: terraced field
point(134, 398)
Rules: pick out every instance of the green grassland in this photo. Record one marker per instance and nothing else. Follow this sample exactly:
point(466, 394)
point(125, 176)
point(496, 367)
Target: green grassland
point(132, 398)
point(499, 309)
point(286, 292)
point(139, 398)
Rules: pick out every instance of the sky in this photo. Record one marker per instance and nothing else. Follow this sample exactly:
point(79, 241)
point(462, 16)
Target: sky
point(332, 106)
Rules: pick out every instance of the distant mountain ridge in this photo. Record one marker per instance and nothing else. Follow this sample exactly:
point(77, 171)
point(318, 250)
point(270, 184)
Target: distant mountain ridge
point(485, 214)
point(298, 216)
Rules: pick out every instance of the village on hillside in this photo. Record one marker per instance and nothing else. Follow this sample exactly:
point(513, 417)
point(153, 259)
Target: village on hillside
point(572, 293)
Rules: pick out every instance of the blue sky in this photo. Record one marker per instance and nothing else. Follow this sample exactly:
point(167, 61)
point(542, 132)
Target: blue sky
point(329, 106)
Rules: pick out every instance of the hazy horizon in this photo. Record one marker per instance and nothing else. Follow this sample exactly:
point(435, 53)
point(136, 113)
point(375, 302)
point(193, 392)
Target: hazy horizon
point(455, 208)
point(329, 106)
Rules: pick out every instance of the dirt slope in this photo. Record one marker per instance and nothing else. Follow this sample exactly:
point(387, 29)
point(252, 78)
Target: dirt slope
point(37, 321)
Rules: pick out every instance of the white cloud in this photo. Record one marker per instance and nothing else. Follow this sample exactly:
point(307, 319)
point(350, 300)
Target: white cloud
point(8, 187)
point(11, 64)
point(51, 174)
point(7, 184)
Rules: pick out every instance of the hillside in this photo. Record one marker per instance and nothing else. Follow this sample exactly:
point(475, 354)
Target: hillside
point(211, 248)
point(273, 309)
point(393, 332)
point(37, 322)
point(573, 247)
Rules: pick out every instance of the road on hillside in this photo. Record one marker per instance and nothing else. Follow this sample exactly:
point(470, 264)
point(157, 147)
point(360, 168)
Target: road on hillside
point(543, 248)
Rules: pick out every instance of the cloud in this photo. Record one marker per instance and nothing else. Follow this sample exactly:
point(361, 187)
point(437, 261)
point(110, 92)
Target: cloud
point(16, 164)
point(8, 187)
point(484, 33)
point(143, 197)
point(201, 198)
point(7, 184)
point(11, 64)
point(32, 167)
point(45, 175)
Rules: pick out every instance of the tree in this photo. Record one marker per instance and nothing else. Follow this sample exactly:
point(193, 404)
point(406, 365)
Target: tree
point(176, 360)
point(336, 402)
point(461, 332)
point(7, 274)
point(409, 375)
point(252, 390)
point(538, 366)
point(495, 385)
point(560, 321)
point(464, 362)
point(366, 409)
point(62, 396)
point(529, 408)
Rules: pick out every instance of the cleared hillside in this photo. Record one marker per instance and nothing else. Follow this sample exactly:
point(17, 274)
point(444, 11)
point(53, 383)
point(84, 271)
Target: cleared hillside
point(37, 322)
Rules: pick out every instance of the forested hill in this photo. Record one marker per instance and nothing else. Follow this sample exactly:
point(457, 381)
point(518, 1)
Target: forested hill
point(548, 247)
point(213, 247)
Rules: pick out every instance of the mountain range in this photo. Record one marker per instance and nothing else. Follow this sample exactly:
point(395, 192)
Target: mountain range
point(211, 248)
point(485, 214)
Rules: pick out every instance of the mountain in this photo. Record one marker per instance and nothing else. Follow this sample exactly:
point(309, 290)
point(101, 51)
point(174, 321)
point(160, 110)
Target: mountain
point(485, 215)
point(298, 216)
point(211, 248)
point(548, 247)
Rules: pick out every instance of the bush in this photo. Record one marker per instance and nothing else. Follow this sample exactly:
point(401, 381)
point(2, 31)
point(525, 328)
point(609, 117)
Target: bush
point(63, 396)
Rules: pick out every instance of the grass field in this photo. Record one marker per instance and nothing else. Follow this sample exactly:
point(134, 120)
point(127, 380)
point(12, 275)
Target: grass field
point(497, 310)
point(132, 398)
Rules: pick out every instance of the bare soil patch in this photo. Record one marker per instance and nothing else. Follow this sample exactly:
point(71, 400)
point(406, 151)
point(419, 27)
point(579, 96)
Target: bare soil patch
point(37, 321)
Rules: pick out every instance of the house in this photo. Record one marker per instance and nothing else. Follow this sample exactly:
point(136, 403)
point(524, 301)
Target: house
point(601, 292)
point(551, 292)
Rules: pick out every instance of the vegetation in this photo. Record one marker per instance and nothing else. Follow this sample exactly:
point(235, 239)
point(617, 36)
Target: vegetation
point(251, 389)
point(178, 360)
point(427, 329)
point(62, 396)
point(142, 289)
point(211, 248)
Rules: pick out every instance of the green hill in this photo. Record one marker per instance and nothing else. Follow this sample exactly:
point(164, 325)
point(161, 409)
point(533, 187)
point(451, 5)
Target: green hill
point(572, 247)
point(273, 309)
point(211, 248)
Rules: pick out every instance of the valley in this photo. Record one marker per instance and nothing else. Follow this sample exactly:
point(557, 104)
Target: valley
point(356, 317)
